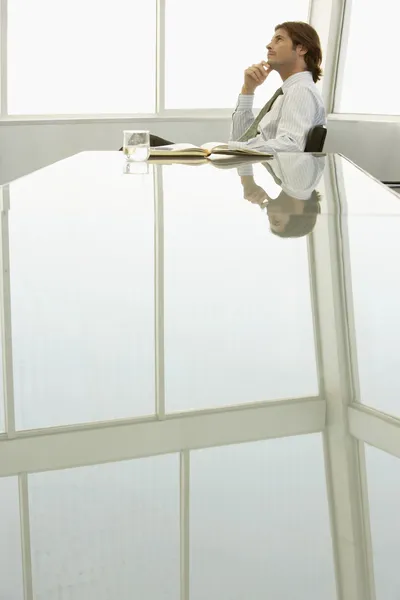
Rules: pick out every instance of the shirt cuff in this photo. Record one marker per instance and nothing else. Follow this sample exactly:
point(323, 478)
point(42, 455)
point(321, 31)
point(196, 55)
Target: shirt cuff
point(245, 101)
point(245, 170)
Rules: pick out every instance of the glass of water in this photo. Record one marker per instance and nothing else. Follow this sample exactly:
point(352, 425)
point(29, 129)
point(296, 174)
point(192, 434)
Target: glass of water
point(136, 145)
point(136, 168)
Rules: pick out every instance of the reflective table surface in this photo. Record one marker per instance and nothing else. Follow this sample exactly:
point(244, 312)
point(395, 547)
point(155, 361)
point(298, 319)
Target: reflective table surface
point(200, 381)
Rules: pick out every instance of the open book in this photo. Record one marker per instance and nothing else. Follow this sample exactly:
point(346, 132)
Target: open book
point(211, 150)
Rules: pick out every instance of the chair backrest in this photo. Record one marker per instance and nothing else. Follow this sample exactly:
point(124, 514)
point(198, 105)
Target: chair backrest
point(316, 139)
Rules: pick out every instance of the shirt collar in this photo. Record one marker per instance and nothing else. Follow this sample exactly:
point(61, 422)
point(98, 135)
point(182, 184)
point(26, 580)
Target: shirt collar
point(293, 79)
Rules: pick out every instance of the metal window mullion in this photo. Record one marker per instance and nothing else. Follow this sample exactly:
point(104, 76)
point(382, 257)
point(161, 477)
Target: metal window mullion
point(5, 307)
point(310, 10)
point(339, 184)
point(348, 302)
point(160, 56)
point(159, 291)
point(3, 59)
point(333, 53)
point(185, 524)
point(25, 535)
point(342, 47)
point(366, 520)
point(343, 468)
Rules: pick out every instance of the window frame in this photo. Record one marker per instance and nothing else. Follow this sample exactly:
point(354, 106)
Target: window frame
point(337, 84)
point(160, 114)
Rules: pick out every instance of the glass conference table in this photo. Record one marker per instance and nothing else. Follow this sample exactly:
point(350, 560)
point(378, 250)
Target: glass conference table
point(200, 381)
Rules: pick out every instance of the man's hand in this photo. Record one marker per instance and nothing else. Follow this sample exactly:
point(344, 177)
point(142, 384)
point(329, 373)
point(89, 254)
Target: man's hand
point(255, 76)
point(253, 192)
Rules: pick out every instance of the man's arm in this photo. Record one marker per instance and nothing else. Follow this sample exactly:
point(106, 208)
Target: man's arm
point(297, 118)
point(243, 117)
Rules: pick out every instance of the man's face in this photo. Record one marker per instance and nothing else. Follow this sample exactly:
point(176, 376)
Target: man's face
point(280, 210)
point(281, 50)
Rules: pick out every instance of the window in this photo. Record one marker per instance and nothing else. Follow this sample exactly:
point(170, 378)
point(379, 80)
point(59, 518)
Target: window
point(367, 82)
point(10, 536)
point(2, 412)
point(79, 57)
point(234, 351)
point(375, 288)
point(99, 57)
point(109, 287)
point(215, 41)
point(267, 502)
point(383, 478)
point(99, 531)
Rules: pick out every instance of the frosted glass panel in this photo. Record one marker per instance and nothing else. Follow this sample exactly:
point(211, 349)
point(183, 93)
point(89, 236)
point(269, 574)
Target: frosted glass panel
point(230, 40)
point(108, 531)
point(383, 473)
point(11, 585)
point(366, 23)
point(259, 522)
point(69, 57)
point(374, 214)
point(238, 316)
point(2, 407)
point(82, 251)
point(376, 298)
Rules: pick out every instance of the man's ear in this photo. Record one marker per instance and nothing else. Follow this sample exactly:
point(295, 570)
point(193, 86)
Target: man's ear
point(301, 50)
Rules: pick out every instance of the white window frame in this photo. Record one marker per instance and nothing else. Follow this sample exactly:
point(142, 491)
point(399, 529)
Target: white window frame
point(343, 37)
point(160, 114)
point(336, 19)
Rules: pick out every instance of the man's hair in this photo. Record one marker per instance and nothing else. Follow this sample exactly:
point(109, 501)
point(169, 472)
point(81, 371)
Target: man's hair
point(299, 225)
point(305, 35)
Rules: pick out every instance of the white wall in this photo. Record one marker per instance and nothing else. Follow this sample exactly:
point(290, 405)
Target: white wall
point(27, 147)
point(375, 146)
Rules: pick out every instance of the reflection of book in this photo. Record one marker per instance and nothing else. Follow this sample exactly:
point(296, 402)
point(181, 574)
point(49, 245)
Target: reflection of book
point(222, 161)
point(205, 150)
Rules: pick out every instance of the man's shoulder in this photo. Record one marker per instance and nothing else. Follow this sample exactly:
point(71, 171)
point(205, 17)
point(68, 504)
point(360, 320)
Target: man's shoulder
point(304, 89)
point(307, 85)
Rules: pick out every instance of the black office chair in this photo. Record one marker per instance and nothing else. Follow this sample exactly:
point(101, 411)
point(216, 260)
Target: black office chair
point(316, 139)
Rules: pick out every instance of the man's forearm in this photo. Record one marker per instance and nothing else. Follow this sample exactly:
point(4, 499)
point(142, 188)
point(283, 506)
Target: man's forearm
point(242, 117)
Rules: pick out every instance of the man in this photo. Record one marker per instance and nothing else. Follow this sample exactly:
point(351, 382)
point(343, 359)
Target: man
point(294, 212)
point(284, 122)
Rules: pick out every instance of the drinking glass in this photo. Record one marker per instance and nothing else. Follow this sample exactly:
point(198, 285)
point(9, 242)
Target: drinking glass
point(136, 145)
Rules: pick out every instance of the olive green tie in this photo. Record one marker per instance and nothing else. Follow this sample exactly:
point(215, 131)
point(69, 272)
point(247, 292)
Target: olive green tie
point(251, 132)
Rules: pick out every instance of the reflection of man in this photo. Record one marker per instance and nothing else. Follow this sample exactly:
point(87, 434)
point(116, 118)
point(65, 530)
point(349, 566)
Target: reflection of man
point(294, 212)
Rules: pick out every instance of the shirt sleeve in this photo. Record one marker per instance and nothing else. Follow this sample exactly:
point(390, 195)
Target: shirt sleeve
point(245, 170)
point(297, 118)
point(242, 116)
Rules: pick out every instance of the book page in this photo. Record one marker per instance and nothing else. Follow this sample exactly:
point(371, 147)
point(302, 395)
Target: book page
point(221, 148)
point(212, 145)
point(175, 147)
point(183, 150)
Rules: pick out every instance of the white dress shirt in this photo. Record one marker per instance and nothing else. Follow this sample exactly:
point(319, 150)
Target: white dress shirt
point(299, 173)
point(285, 127)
